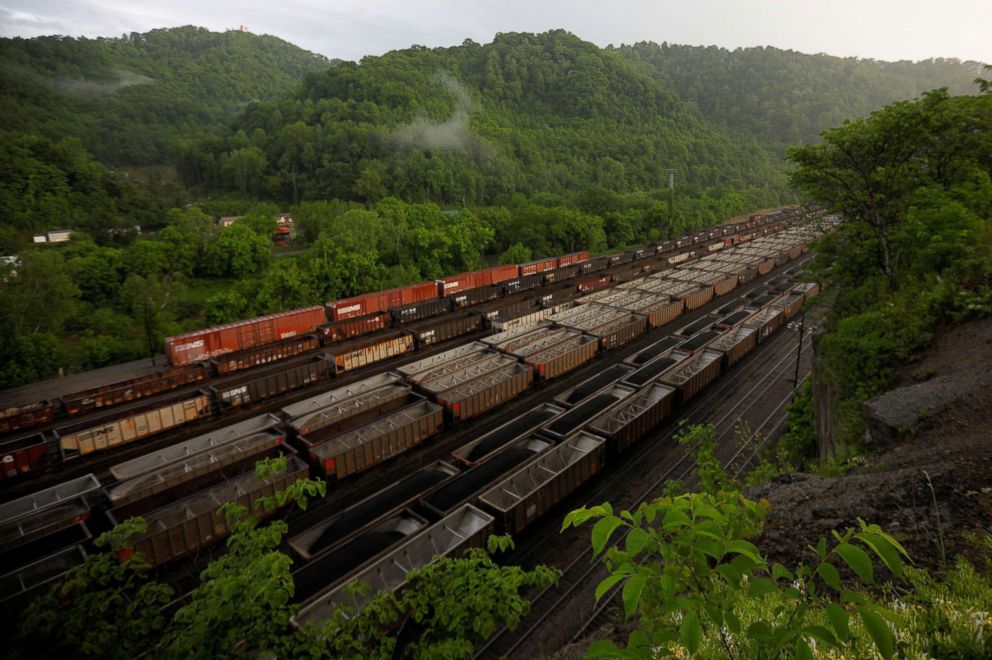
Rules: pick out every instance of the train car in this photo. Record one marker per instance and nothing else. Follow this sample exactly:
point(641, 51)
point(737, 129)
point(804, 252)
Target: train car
point(404, 494)
point(130, 390)
point(357, 353)
point(19, 418)
point(576, 418)
point(196, 522)
point(465, 488)
point(28, 523)
point(360, 449)
point(255, 387)
point(265, 354)
point(127, 425)
point(693, 374)
point(356, 326)
point(483, 448)
point(533, 490)
point(590, 386)
point(635, 417)
point(418, 311)
point(348, 407)
point(22, 455)
point(380, 301)
point(329, 567)
point(573, 258)
point(211, 342)
point(463, 528)
point(449, 286)
point(486, 392)
point(538, 266)
point(167, 482)
point(436, 331)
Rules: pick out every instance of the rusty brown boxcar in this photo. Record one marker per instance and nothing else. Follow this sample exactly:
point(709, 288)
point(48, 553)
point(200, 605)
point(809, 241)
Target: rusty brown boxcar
point(197, 521)
point(692, 375)
point(266, 354)
point(360, 449)
point(635, 417)
point(534, 489)
point(482, 394)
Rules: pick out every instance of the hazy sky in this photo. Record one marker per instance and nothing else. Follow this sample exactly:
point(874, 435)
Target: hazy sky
point(349, 29)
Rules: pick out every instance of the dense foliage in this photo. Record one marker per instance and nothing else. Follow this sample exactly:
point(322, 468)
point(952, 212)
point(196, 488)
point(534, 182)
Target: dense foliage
point(129, 98)
point(475, 124)
point(914, 185)
point(782, 97)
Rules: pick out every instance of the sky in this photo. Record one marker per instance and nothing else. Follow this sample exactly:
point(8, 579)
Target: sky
point(351, 29)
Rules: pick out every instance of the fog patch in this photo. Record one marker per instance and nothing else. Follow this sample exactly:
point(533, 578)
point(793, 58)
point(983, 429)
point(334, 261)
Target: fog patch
point(83, 86)
point(453, 135)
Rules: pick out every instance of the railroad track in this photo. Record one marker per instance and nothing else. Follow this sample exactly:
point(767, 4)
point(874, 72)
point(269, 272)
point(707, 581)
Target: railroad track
point(777, 351)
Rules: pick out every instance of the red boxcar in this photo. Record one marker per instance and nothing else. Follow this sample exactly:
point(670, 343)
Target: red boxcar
point(205, 344)
point(476, 279)
point(22, 455)
point(593, 283)
point(380, 301)
point(351, 328)
point(572, 259)
point(538, 266)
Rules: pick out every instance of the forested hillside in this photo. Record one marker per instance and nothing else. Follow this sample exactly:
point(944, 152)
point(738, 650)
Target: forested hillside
point(528, 114)
point(783, 97)
point(129, 98)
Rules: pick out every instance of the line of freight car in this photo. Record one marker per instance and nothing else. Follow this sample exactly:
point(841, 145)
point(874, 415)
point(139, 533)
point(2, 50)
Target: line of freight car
point(149, 417)
point(264, 340)
point(350, 356)
point(696, 374)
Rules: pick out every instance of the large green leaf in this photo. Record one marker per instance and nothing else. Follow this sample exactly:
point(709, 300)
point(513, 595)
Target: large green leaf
point(838, 619)
point(858, 560)
point(879, 631)
point(828, 572)
point(885, 551)
point(742, 547)
point(691, 632)
point(632, 591)
point(637, 538)
point(602, 531)
point(607, 584)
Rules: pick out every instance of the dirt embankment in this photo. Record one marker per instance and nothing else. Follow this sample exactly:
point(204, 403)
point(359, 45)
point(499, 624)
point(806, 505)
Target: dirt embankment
point(928, 478)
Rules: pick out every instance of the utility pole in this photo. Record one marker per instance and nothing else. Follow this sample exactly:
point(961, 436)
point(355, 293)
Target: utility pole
point(799, 349)
point(671, 202)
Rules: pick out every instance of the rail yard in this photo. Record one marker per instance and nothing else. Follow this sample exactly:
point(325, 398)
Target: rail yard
point(438, 414)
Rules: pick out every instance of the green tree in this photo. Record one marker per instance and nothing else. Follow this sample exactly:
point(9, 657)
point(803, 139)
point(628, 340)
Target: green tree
point(237, 252)
point(688, 571)
point(104, 608)
point(516, 254)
